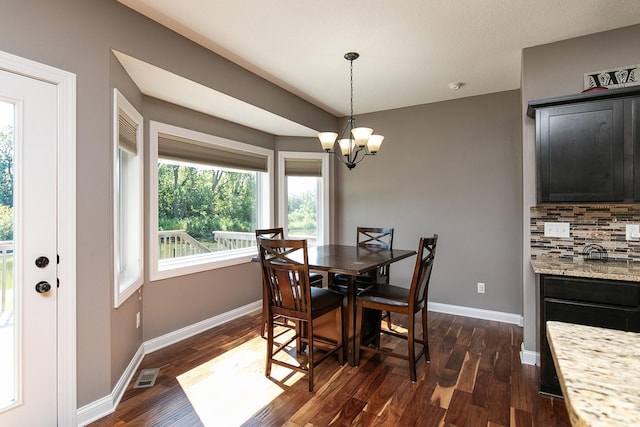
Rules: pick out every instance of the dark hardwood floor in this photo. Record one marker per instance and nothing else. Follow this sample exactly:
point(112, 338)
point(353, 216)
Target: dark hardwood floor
point(216, 378)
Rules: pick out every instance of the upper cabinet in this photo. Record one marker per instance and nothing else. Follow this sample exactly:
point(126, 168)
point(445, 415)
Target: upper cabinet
point(587, 147)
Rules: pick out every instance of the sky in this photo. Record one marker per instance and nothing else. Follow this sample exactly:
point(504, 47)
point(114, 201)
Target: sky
point(6, 114)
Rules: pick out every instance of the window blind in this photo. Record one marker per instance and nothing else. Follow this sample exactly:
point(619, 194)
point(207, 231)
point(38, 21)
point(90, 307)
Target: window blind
point(127, 133)
point(172, 147)
point(303, 167)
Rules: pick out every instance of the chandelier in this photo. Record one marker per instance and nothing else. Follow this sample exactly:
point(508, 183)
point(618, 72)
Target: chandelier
point(358, 142)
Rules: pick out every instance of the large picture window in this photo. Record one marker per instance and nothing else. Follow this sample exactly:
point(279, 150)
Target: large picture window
point(128, 179)
point(304, 195)
point(208, 195)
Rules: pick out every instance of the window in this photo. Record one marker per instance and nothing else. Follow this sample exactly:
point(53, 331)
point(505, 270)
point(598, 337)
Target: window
point(128, 209)
point(304, 195)
point(207, 196)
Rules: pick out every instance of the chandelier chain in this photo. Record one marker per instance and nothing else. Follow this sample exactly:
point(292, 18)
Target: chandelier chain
point(351, 115)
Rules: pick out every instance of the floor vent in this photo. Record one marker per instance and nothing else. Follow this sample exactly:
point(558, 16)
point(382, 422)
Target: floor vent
point(147, 378)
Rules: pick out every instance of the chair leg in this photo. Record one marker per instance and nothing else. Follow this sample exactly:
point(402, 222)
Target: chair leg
point(358, 332)
point(339, 341)
point(311, 364)
point(389, 324)
point(411, 342)
point(270, 327)
point(425, 334)
point(264, 316)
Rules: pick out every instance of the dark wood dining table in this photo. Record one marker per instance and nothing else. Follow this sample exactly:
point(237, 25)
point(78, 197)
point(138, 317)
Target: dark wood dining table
point(352, 261)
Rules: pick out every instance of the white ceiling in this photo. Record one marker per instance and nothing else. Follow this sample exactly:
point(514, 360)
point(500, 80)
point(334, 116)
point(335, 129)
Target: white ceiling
point(410, 50)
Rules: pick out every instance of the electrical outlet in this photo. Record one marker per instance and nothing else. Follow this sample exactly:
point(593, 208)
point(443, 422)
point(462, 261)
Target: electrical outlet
point(480, 288)
point(633, 232)
point(137, 320)
point(556, 229)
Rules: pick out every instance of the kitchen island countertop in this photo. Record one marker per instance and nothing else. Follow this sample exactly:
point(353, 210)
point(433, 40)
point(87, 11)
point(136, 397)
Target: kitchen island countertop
point(598, 371)
point(612, 270)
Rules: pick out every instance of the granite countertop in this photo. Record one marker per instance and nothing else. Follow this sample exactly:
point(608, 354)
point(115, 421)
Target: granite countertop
point(598, 371)
point(612, 270)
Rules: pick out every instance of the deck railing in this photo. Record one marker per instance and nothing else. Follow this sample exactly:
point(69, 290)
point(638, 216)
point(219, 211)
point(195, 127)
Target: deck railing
point(235, 239)
point(6, 257)
point(227, 240)
point(178, 243)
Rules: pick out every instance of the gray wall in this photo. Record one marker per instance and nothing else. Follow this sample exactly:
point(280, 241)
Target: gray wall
point(451, 168)
point(77, 36)
point(125, 339)
point(551, 70)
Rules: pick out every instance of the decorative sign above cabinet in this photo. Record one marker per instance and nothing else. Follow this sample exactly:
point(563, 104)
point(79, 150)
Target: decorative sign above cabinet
point(614, 78)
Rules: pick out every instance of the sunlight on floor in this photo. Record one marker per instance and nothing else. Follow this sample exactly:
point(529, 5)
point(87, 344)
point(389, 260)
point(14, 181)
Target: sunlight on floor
point(228, 390)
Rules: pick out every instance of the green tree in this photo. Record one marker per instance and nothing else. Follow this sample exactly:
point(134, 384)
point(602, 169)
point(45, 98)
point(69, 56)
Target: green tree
point(204, 200)
point(6, 166)
point(6, 223)
point(303, 216)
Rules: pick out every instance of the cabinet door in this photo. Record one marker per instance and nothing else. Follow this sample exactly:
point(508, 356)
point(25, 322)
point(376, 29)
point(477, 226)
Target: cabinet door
point(581, 152)
point(632, 133)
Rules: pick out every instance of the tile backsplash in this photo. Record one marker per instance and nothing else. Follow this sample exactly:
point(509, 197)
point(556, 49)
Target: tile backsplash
point(602, 224)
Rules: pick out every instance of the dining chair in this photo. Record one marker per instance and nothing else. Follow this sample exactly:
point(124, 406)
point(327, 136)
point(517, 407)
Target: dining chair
point(403, 301)
point(371, 238)
point(285, 270)
point(278, 233)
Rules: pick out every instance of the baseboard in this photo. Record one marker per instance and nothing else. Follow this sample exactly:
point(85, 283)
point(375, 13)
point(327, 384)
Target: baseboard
point(107, 405)
point(528, 357)
point(191, 330)
point(478, 313)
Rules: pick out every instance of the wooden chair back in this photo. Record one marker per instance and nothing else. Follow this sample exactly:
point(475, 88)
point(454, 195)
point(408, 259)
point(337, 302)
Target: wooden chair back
point(375, 237)
point(270, 233)
point(422, 273)
point(285, 272)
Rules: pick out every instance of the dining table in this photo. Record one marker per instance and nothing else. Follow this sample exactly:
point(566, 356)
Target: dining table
point(352, 261)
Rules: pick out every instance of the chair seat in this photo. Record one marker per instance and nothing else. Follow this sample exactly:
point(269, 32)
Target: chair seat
point(386, 294)
point(315, 280)
point(324, 300)
point(340, 282)
point(343, 279)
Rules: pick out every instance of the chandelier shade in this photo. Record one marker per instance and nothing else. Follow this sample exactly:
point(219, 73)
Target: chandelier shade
point(354, 143)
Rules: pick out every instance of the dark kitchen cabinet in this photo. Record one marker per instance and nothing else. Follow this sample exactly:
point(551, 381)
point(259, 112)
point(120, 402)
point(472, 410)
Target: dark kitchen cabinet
point(632, 133)
point(593, 302)
point(588, 147)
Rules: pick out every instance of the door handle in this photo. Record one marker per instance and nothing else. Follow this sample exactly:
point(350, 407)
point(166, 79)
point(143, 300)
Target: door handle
point(43, 287)
point(42, 261)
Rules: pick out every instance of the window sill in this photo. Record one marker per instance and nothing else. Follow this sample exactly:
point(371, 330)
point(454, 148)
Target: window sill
point(194, 264)
point(129, 284)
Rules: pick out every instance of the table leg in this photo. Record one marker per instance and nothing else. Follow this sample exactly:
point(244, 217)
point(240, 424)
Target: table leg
point(351, 321)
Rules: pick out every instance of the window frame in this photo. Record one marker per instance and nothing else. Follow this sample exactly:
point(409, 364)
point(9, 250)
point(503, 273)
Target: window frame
point(163, 269)
point(324, 202)
point(131, 279)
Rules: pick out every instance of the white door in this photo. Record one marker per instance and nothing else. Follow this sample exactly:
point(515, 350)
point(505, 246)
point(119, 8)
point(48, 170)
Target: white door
point(28, 320)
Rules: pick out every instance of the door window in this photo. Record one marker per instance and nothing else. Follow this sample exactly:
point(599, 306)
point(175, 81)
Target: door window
point(7, 295)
